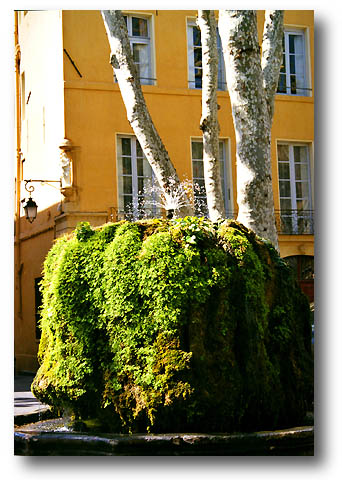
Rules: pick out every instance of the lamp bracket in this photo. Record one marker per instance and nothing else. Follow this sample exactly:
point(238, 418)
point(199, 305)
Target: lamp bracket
point(30, 188)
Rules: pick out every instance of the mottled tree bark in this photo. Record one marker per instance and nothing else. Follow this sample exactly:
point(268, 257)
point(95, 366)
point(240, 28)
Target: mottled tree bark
point(272, 55)
point(136, 108)
point(209, 121)
point(252, 121)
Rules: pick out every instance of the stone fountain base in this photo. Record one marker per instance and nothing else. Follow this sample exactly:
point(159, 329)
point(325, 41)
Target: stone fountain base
point(52, 438)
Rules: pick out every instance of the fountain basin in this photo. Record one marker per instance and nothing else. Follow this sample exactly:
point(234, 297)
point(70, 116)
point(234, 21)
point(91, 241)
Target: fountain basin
point(50, 437)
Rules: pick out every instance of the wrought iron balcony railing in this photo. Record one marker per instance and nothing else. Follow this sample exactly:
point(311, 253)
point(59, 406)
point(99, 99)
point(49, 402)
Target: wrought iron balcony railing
point(114, 214)
point(295, 222)
point(288, 222)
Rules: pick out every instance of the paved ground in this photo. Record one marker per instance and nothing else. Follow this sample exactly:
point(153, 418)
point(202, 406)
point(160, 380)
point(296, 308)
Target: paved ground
point(26, 407)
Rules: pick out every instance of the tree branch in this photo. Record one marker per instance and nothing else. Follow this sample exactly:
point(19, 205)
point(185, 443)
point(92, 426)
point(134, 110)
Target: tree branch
point(209, 122)
point(137, 112)
point(272, 55)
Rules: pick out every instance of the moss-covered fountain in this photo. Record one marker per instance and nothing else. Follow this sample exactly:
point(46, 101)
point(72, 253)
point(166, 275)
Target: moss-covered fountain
point(180, 325)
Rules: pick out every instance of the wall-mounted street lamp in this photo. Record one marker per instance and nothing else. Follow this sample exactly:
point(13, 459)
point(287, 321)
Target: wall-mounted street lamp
point(30, 207)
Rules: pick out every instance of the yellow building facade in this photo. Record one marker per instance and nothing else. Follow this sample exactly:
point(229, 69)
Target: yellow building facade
point(73, 133)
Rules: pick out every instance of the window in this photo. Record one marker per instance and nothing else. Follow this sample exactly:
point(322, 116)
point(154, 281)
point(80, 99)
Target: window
point(136, 182)
point(139, 33)
point(200, 197)
point(293, 75)
point(295, 189)
point(304, 270)
point(195, 58)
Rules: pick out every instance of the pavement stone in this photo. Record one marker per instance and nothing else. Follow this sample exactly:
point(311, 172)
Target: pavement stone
point(27, 407)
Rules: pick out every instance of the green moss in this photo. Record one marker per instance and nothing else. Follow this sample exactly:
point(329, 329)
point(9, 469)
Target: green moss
point(173, 325)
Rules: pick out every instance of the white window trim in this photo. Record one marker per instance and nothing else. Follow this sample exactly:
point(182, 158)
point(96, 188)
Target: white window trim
point(134, 175)
point(307, 51)
point(292, 179)
point(227, 180)
point(191, 66)
point(149, 40)
point(309, 150)
point(190, 23)
point(304, 32)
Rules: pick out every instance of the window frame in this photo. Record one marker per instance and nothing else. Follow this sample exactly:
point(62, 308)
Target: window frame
point(150, 80)
point(294, 213)
point(221, 80)
point(227, 179)
point(136, 213)
point(305, 91)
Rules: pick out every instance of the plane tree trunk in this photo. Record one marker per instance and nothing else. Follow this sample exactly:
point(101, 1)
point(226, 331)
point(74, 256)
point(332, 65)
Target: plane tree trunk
point(137, 111)
point(209, 121)
point(252, 96)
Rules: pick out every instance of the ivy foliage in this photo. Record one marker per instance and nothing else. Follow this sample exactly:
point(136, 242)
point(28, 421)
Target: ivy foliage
point(179, 325)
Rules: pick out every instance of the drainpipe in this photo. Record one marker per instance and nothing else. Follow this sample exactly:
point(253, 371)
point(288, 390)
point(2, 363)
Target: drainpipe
point(18, 153)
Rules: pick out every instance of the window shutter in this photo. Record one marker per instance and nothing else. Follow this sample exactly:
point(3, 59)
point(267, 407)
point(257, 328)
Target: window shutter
point(191, 65)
